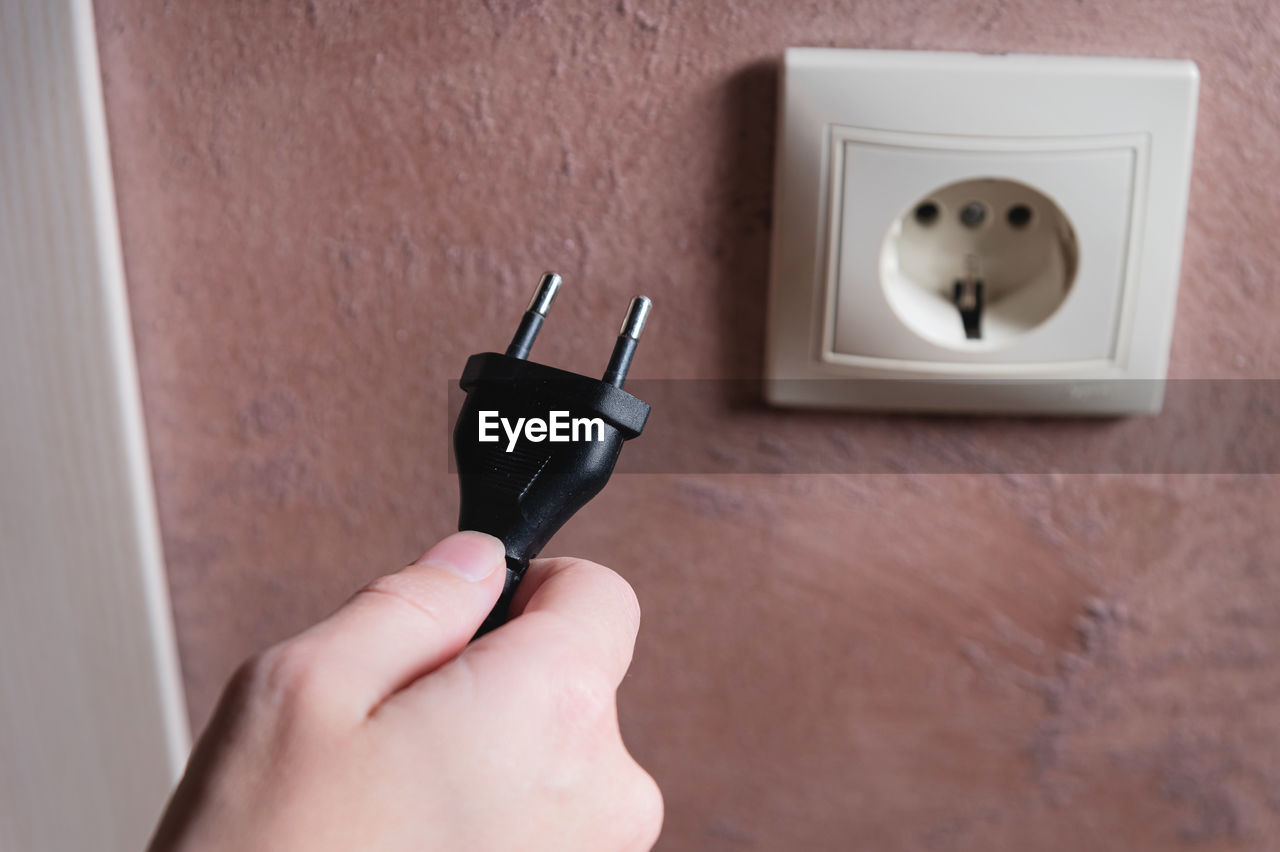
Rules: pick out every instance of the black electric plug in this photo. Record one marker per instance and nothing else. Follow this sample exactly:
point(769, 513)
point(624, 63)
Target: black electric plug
point(533, 443)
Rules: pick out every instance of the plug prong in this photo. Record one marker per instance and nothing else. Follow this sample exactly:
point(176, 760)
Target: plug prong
point(628, 336)
point(531, 322)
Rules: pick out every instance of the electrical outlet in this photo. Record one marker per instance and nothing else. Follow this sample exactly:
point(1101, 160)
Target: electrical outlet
point(1009, 225)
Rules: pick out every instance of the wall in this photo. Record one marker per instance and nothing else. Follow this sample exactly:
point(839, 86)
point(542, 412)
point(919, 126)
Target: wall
point(327, 206)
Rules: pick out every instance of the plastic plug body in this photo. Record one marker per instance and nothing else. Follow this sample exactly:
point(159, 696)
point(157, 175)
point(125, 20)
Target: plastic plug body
point(533, 444)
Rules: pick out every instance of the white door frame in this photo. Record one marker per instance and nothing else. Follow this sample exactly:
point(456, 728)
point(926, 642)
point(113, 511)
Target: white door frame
point(93, 727)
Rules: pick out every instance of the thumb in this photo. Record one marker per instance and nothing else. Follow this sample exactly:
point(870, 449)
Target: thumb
point(405, 625)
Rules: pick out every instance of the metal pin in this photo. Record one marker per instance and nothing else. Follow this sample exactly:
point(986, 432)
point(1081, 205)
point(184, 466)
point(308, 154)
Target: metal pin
point(628, 336)
point(531, 322)
point(545, 294)
point(637, 314)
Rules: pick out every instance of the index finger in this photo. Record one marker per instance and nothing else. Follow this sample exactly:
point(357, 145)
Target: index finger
point(573, 608)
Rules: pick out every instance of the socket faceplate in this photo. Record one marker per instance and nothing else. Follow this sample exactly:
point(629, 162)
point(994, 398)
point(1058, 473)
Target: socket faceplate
point(865, 135)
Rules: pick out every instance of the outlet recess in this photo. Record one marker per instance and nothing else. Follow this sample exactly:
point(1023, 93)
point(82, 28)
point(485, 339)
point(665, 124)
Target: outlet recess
point(1008, 228)
point(978, 263)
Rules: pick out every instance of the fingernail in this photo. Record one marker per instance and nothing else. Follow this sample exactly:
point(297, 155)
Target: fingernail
point(469, 555)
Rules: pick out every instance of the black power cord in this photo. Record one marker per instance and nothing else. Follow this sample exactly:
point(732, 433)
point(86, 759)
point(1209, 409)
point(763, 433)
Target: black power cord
point(533, 443)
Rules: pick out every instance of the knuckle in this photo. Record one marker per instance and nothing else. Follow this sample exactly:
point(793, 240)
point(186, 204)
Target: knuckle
point(388, 584)
point(622, 602)
point(646, 810)
point(610, 583)
point(404, 590)
point(242, 686)
point(584, 701)
point(291, 675)
point(392, 585)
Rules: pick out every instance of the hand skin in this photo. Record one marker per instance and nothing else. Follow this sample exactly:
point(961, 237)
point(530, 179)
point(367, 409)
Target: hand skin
point(380, 728)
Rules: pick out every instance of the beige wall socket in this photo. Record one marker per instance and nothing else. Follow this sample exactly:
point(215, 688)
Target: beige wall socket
point(957, 232)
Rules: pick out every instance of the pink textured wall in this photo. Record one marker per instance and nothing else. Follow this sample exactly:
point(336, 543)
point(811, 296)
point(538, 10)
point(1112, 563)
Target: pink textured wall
point(327, 206)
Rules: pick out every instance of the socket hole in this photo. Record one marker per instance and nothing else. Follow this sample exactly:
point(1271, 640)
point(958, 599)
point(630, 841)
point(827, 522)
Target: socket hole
point(973, 214)
point(1019, 216)
point(927, 213)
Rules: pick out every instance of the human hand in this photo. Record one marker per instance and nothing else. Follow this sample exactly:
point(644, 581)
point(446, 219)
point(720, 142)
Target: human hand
point(380, 728)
